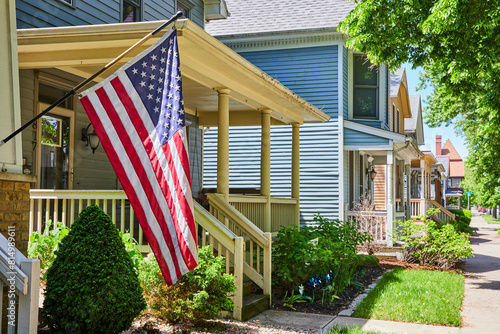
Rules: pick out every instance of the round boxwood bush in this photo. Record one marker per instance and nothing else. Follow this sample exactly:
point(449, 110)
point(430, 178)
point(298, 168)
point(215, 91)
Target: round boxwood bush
point(92, 286)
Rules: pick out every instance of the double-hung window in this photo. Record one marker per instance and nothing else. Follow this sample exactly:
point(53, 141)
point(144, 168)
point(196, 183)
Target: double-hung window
point(365, 88)
point(131, 11)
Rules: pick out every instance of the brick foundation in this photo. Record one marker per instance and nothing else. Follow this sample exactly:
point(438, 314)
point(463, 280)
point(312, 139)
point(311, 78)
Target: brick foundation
point(15, 206)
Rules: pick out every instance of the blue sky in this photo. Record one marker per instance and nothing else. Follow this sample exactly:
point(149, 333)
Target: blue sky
point(430, 133)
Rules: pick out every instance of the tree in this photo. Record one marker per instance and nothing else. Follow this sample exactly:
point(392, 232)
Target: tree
point(456, 43)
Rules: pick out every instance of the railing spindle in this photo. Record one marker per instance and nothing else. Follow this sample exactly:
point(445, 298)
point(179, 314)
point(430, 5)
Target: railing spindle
point(39, 216)
point(131, 221)
point(64, 212)
point(122, 216)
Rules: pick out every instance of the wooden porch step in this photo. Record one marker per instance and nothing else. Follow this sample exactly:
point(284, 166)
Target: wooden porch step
point(253, 305)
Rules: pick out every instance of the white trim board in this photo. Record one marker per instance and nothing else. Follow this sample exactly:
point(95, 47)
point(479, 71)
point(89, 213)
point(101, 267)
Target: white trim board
point(396, 137)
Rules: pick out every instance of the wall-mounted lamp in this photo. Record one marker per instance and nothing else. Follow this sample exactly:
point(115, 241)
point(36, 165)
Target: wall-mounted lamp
point(371, 171)
point(90, 138)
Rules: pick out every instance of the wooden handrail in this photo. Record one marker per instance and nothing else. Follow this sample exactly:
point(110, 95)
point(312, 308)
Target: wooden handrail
point(243, 223)
point(443, 209)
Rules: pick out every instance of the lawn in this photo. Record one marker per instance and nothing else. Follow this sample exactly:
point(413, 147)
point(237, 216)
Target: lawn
point(490, 220)
point(420, 296)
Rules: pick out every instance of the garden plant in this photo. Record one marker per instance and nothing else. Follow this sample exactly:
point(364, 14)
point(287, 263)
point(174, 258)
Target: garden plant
point(92, 286)
point(319, 261)
point(433, 244)
point(197, 296)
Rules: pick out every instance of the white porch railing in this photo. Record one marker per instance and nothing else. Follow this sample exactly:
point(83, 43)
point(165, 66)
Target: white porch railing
point(65, 206)
point(21, 276)
point(246, 248)
point(415, 207)
point(377, 223)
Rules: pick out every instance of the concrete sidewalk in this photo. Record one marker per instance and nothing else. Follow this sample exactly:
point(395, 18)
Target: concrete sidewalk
point(480, 310)
point(481, 306)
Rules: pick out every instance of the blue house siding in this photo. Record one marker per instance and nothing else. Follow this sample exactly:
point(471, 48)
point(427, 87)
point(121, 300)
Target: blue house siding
point(318, 164)
point(310, 72)
point(54, 13)
point(352, 137)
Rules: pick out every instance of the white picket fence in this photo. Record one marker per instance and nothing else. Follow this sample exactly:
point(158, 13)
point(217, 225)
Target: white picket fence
point(22, 278)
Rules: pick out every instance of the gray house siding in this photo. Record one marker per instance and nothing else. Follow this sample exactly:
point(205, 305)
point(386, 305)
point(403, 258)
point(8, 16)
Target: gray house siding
point(312, 73)
point(55, 13)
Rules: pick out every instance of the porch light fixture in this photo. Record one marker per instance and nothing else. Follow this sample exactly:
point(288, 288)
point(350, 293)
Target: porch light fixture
point(90, 138)
point(371, 171)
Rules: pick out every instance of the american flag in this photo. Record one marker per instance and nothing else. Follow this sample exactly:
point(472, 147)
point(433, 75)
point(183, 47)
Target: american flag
point(138, 114)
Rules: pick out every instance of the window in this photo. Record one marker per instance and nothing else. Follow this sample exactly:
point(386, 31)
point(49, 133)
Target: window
point(397, 121)
point(70, 3)
point(393, 117)
point(351, 180)
point(365, 90)
point(361, 176)
point(185, 7)
point(131, 11)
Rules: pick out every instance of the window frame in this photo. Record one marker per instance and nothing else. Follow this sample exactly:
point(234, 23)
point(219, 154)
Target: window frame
point(185, 4)
point(137, 4)
point(71, 3)
point(376, 88)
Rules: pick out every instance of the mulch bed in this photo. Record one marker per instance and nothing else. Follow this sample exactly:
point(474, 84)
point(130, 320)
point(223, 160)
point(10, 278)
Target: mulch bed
point(349, 294)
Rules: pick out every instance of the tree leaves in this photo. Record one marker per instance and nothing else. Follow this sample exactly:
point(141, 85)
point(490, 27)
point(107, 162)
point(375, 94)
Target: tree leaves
point(457, 44)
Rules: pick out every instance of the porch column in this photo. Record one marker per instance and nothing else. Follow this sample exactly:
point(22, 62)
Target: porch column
point(408, 191)
point(223, 144)
point(422, 187)
point(265, 166)
point(390, 197)
point(296, 168)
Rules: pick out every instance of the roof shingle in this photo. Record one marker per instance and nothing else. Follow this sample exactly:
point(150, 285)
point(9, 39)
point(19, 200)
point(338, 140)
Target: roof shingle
point(263, 16)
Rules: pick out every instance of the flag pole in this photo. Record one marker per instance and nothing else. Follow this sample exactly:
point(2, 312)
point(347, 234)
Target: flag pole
point(92, 77)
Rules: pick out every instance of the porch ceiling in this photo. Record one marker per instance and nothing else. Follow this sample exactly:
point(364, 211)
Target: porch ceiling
point(206, 64)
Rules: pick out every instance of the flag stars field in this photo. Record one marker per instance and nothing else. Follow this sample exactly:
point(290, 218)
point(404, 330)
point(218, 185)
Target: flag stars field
point(139, 116)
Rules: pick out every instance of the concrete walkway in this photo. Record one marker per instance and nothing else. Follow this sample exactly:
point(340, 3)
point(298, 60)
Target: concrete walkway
point(481, 307)
point(480, 310)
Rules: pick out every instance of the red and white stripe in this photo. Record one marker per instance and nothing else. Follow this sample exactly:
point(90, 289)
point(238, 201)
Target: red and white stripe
point(155, 178)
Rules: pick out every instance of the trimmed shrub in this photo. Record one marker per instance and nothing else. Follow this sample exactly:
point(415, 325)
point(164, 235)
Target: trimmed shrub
point(92, 286)
point(433, 244)
point(197, 296)
point(462, 220)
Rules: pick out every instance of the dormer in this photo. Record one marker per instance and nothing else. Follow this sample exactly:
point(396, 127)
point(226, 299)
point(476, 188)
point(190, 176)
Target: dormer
point(216, 10)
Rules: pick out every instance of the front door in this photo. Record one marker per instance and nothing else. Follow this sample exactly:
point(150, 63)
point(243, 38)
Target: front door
point(56, 149)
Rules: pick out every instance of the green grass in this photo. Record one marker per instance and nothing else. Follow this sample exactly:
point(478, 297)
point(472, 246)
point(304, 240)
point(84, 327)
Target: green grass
point(421, 296)
point(498, 231)
point(347, 330)
point(490, 220)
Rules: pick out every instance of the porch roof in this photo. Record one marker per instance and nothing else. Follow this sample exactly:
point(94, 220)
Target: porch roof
point(207, 66)
point(359, 136)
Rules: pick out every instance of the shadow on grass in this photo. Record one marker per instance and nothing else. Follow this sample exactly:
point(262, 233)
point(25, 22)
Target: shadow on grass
point(365, 308)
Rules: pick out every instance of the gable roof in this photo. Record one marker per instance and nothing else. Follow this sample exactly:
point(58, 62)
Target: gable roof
point(264, 16)
point(414, 124)
point(396, 79)
point(449, 149)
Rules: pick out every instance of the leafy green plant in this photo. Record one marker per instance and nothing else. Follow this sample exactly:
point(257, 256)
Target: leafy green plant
point(433, 244)
point(300, 298)
point(329, 248)
point(462, 220)
point(197, 296)
point(43, 246)
point(132, 249)
point(92, 286)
